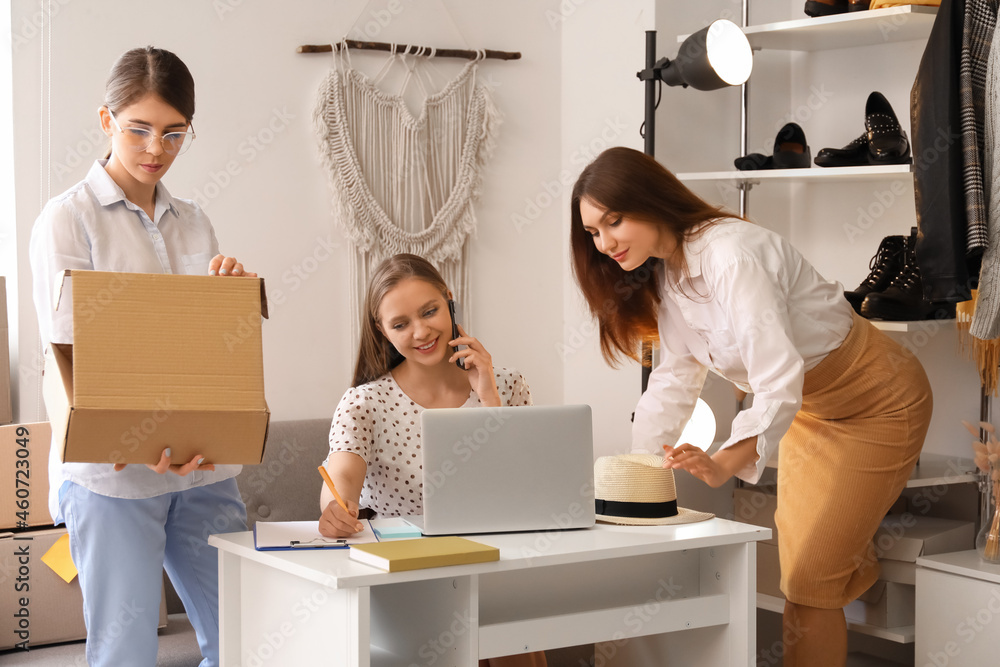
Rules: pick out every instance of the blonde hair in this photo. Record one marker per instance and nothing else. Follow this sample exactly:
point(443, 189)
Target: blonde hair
point(376, 355)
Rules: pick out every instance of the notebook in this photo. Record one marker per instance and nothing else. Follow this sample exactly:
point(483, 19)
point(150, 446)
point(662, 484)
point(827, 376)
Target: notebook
point(281, 535)
point(401, 555)
point(506, 469)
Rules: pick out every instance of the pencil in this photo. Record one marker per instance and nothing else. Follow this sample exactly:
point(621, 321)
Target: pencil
point(333, 489)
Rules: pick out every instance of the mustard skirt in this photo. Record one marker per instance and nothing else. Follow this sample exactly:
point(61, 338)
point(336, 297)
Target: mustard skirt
point(844, 462)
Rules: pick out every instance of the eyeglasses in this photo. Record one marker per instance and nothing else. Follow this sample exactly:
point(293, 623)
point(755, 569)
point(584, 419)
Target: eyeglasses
point(139, 138)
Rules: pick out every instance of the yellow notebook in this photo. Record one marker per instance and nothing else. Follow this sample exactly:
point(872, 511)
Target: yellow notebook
point(400, 555)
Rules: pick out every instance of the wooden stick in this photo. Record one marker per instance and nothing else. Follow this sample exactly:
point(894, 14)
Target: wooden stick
point(413, 50)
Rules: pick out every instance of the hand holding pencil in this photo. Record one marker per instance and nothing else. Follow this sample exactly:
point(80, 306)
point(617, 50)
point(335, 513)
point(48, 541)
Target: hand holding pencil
point(338, 520)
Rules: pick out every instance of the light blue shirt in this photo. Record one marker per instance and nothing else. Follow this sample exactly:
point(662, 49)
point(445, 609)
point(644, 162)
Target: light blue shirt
point(93, 226)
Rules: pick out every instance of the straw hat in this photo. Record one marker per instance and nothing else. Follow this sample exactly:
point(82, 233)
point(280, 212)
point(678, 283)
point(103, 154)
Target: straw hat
point(636, 490)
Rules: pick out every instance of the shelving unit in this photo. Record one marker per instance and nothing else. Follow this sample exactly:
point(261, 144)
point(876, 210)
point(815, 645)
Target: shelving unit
point(902, 635)
point(933, 470)
point(811, 175)
point(910, 326)
point(841, 31)
point(857, 29)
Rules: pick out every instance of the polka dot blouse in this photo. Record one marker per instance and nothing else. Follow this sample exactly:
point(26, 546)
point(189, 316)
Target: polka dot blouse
point(382, 424)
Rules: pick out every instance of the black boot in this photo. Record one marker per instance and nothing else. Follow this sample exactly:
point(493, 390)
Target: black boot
point(885, 265)
point(904, 298)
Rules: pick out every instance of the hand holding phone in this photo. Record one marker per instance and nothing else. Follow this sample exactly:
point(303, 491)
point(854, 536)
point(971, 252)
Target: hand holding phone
point(453, 310)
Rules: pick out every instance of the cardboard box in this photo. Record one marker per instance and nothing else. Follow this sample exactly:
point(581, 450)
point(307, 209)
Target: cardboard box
point(756, 506)
point(898, 571)
point(6, 413)
point(768, 570)
point(885, 604)
point(905, 537)
point(37, 606)
point(24, 475)
point(158, 360)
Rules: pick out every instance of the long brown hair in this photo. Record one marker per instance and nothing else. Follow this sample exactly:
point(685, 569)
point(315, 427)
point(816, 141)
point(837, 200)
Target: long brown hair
point(376, 355)
point(632, 184)
point(139, 72)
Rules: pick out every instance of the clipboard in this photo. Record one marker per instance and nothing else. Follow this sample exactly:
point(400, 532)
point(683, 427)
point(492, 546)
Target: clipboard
point(295, 535)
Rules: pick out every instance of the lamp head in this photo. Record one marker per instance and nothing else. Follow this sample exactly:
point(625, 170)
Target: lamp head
point(716, 56)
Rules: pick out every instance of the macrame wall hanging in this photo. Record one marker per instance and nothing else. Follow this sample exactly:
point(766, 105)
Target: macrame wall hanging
point(404, 182)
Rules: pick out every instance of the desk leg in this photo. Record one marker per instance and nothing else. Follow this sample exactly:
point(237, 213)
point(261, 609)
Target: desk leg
point(271, 618)
point(229, 609)
point(735, 572)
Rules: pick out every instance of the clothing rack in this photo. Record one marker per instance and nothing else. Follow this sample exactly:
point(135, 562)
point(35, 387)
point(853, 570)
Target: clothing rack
point(468, 54)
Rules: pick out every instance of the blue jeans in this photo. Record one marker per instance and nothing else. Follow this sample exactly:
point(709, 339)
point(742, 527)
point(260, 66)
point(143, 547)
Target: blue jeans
point(120, 547)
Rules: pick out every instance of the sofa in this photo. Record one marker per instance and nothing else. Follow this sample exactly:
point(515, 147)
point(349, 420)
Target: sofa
point(284, 487)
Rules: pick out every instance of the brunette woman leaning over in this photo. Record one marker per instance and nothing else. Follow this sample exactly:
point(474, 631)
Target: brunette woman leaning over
point(848, 404)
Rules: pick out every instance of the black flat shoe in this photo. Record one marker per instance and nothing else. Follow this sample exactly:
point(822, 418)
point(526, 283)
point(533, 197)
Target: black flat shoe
point(816, 8)
point(790, 152)
point(790, 148)
point(754, 161)
point(854, 154)
point(887, 142)
point(859, 5)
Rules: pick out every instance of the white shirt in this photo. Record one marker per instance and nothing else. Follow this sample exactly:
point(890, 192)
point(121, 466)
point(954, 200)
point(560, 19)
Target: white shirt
point(93, 226)
point(752, 310)
point(381, 424)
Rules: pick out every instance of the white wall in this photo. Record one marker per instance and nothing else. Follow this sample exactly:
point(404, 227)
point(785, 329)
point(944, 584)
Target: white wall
point(256, 170)
point(602, 104)
point(8, 239)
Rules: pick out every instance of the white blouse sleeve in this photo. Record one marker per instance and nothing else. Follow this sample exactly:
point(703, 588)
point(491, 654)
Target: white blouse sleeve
point(353, 428)
point(756, 307)
point(58, 242)
point(674, 386)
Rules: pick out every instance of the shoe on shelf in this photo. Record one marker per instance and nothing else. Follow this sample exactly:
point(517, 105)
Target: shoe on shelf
point(884, 141)
point(858, 5)
point(885, 265)
point(854, 154)
point(754, 161)
point(825, 8)
point(790, 152)
point(887, 142)
point(904, 298)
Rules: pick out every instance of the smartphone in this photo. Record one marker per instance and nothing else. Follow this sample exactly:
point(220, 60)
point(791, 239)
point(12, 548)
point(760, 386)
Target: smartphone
point(455, 312)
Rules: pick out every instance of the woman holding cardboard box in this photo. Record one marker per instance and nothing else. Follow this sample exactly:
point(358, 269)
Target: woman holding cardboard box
point(127, 523)
point(849, 405)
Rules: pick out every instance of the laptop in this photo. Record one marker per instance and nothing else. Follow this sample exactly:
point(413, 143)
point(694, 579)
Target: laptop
point(491, 470)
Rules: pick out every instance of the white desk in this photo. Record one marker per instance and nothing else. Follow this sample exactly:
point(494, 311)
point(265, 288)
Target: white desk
point(628, 589)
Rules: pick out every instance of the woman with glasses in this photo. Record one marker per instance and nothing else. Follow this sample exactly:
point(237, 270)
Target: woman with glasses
point(127, 523)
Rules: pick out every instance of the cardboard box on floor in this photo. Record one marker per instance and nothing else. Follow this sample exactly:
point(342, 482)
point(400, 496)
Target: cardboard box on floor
point(905, 537)
point(6, 414)
point(158, 361)
point(885, 604)
point(37, 606)
point(24, 475)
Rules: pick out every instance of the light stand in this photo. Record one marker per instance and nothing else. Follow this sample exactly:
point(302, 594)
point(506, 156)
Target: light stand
point(716, 56)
